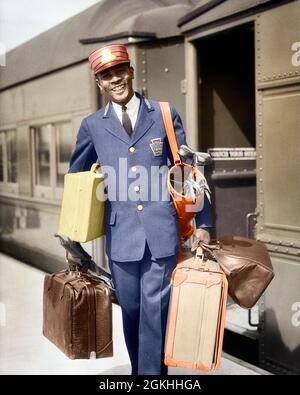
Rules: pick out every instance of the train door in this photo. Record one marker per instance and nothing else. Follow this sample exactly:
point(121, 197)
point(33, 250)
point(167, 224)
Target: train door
point(227, 131)
point(227, 124)
point(278, 162)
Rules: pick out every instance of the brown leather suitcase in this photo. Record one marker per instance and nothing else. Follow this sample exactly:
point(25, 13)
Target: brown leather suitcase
point(77, 315)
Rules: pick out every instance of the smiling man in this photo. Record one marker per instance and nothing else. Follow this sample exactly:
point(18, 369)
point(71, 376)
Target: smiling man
point(142, 236)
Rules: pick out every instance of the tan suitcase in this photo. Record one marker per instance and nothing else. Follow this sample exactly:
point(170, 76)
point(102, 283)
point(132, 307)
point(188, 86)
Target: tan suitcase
point(77, 315)
point(196, 316)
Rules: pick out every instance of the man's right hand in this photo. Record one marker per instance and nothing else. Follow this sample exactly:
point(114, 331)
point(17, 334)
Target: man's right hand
point(69, 257)
point(74, 265)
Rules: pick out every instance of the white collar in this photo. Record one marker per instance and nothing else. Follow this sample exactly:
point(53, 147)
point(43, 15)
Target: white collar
point(132, 109)
point(132, 106)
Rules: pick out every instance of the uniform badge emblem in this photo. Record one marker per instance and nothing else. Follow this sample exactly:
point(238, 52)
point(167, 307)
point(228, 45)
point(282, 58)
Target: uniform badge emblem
point(107, 56)
point(156, 146)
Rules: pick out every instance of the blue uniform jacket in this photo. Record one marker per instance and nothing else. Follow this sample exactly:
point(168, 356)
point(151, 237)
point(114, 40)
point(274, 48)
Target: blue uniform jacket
point(133, 216)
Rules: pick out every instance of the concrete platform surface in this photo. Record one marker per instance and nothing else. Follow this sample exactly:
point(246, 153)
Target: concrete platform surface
point(24, 350)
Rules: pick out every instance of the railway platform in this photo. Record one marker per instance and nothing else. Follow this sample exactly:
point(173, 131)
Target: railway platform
point(25, 351)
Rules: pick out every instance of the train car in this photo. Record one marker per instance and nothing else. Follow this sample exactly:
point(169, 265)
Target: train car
point(47, 88)
point(243, 77)
point(232, 72)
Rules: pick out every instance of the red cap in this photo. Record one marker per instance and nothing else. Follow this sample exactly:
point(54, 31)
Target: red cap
point(108, 56)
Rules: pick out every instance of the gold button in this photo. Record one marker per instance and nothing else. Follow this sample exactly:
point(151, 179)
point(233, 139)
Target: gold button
point(140, 207)
point(133, 168)
point(131, 149)
point(137, 188)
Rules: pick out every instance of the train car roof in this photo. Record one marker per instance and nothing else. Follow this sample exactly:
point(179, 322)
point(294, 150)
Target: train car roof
point(71, 41)
point(209, 11)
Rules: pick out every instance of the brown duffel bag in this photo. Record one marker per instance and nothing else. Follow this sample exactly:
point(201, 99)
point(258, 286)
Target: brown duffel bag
point(77, 314)
point(247, 266)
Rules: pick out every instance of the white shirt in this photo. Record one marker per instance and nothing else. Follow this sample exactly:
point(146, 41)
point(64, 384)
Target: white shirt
point(132, 110)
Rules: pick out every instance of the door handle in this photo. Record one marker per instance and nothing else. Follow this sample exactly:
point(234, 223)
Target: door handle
point(250, 323)
point(248, 224)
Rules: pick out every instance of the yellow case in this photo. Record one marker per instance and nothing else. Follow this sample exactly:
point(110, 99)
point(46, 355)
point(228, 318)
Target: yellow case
point(82, 209)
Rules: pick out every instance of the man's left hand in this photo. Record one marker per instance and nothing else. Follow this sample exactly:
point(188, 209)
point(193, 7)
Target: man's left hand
point(202, 234)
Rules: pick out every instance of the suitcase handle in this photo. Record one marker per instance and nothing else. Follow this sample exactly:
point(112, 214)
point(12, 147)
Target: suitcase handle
point(198, 262)
point(95, 167)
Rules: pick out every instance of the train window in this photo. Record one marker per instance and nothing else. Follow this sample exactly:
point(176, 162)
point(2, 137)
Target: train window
point(8, 157)
point(1, 157)
point(63, 151)
point(52, 149)
point(11, 148)
point(42, 144)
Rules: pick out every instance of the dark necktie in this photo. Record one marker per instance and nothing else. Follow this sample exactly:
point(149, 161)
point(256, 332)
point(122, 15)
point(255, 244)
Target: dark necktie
point(126, 121)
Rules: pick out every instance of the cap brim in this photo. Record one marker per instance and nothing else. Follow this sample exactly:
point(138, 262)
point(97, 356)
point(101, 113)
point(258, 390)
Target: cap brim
point(111, 64)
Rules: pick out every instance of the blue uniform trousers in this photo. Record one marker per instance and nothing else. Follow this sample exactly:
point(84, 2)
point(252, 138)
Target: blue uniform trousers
point(143, 290)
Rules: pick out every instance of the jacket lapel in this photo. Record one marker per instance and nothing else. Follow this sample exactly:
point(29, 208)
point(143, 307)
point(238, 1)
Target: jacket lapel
point(113, 126)
point(144, 120)
point(143, 123)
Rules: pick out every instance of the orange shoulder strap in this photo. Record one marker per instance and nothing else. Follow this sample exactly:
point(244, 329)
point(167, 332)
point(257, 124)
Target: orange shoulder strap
point(167, 118)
